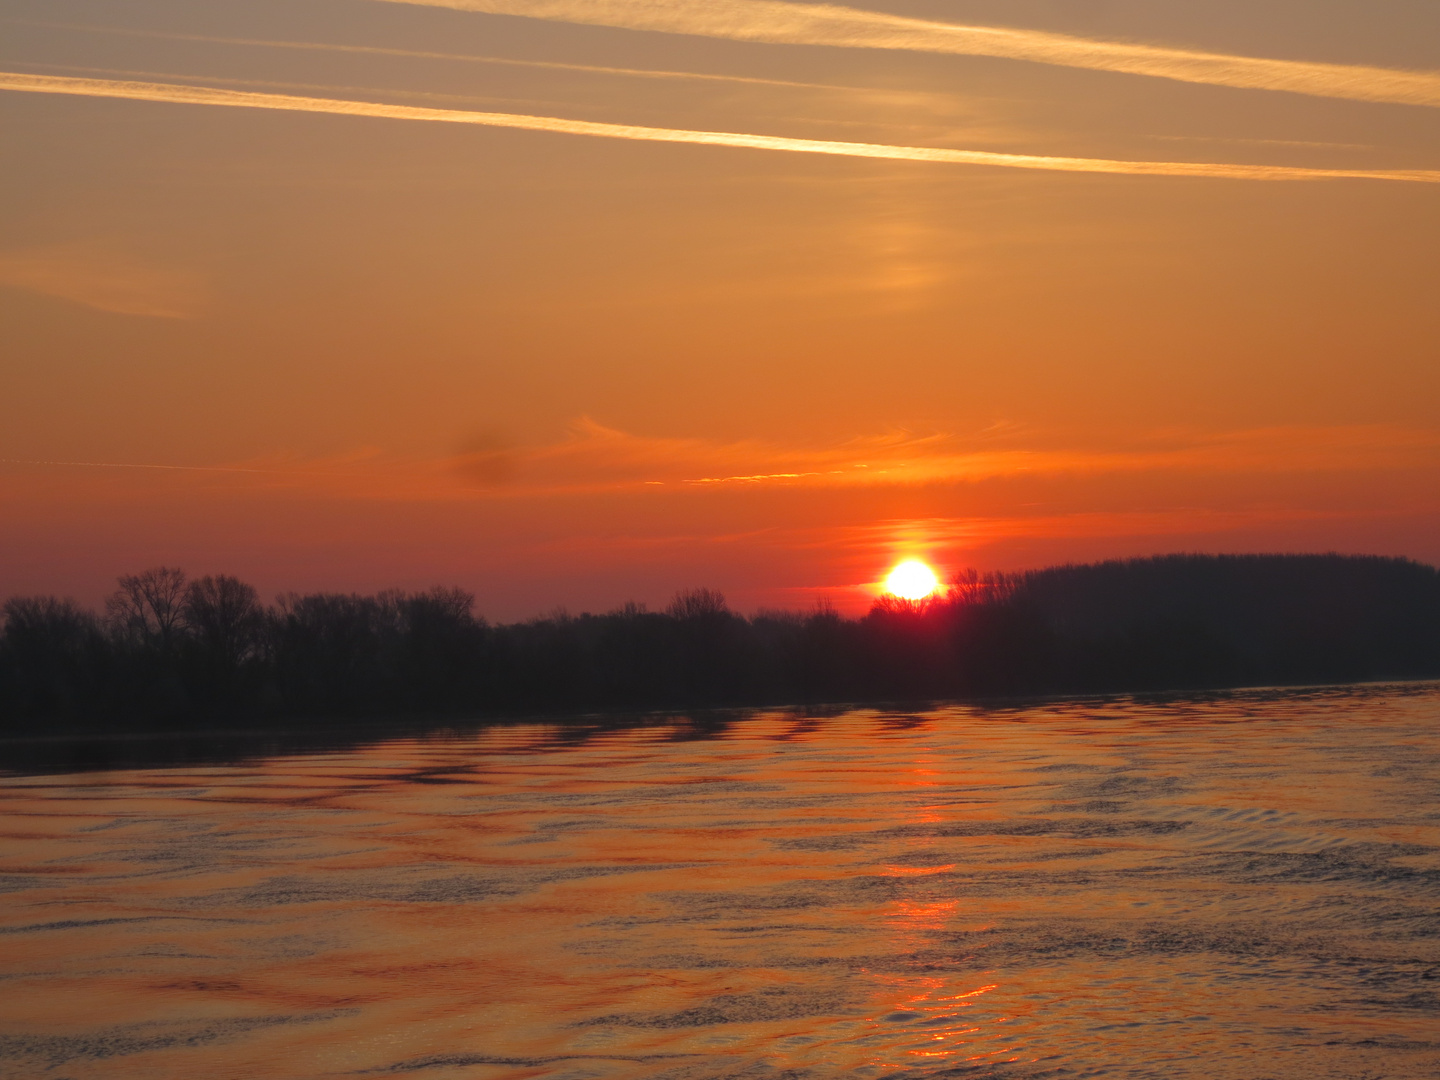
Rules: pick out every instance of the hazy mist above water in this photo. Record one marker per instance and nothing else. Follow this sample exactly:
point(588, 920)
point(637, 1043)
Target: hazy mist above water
point(1234, 887)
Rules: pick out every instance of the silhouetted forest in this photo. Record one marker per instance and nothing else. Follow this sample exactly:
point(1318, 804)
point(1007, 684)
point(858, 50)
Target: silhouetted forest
point(172, 653)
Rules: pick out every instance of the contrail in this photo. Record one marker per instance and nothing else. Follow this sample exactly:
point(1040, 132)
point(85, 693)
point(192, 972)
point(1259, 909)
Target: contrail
point(780, 22)
point(131, 465)
point(414, 54)
point(204, 95)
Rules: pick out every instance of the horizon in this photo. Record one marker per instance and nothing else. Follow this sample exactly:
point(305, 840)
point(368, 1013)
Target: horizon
point(575, 302)
point(942, 588)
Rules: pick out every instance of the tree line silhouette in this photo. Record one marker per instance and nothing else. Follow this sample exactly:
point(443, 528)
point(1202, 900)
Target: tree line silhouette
point(172, 652)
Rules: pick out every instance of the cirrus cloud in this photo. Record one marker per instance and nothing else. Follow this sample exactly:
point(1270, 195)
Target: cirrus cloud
point(185, 94)
point(780, 22)
point(102, 277)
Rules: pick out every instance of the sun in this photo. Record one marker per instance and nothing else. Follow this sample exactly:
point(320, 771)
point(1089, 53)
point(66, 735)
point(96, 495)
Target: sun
point(911, 580)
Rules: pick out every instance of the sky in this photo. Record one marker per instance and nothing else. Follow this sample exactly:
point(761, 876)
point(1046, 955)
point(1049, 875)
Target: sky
point(576, 302)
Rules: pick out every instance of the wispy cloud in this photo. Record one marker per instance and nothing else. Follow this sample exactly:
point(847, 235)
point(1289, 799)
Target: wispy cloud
point(466, 58)
point(202, 95)
point(777, 22)
point(101, 277)
point(592, 460)
point(950, 532)
point(597, 458)
point(131, 465)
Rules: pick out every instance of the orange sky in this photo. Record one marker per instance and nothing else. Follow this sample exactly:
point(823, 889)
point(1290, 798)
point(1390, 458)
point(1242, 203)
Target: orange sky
point(683, 330)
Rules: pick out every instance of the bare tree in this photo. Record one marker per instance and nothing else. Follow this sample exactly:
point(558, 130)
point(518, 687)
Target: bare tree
point(148, 607)
point(47, 620)
point(224, 615)
point(697, 604)
point(48, 658)
point(447, 606)
point(970, 588)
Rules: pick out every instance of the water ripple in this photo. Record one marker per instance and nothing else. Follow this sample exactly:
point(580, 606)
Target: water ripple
point(1228, 887)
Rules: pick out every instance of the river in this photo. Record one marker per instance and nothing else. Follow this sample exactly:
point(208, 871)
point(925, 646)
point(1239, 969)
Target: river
point(1234, 886)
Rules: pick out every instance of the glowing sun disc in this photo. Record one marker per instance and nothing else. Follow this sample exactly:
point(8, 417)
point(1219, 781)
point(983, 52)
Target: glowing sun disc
point(911, 580)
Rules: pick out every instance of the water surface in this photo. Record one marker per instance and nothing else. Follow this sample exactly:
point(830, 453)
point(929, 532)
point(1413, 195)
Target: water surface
point(1232, 887)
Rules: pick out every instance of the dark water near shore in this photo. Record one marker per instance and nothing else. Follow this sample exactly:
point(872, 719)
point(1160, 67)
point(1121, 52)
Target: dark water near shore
point(1232, 887)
